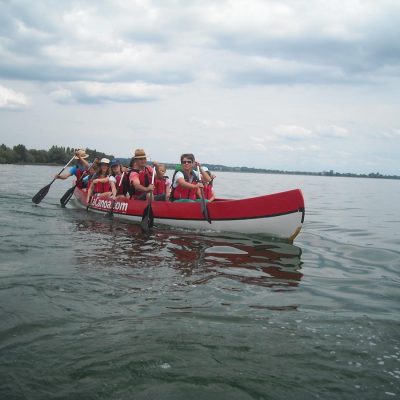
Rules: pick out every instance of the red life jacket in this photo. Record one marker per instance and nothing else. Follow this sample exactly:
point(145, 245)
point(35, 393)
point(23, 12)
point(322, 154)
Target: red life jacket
point(160, 185)
point(145, 176)
point(130, 188)
point(120, 185)
point(208, 192)
point(183, 193)
point(101, 187)
point(79, 181)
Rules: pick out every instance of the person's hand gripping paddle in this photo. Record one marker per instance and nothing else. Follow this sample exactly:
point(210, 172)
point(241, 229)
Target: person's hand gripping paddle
point(148, 218)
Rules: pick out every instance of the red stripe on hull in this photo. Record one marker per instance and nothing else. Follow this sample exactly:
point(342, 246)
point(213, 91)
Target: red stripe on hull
point(219, 210)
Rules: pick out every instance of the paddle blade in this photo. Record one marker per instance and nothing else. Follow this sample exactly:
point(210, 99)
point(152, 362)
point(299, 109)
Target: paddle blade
point(205, 213)
point(67, 196)
point(110, 213)
point(204, 209)
point(40, 195)
point(147, 220)
point(151, 218)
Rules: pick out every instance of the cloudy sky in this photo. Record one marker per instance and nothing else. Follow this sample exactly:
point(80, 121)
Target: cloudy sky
point(294, 84)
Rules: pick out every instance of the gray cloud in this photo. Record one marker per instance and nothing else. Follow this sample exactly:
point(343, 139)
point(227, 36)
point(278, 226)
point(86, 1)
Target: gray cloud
point(178, 43)
point(281, 84)
point(99, 93)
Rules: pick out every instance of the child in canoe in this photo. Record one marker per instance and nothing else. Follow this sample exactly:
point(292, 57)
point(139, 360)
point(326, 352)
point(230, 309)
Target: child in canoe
point(208, 189)
point(161, 183)
point(101, 184)
point(119, 177)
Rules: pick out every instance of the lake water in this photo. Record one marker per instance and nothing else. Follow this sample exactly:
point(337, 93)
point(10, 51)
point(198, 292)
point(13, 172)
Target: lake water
point(92, 309)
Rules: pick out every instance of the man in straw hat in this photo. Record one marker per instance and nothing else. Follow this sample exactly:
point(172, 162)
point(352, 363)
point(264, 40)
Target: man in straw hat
point(140, 176)
point(78, 169)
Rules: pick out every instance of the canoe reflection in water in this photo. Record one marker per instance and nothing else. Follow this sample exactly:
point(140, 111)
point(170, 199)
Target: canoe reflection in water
point(198, 257)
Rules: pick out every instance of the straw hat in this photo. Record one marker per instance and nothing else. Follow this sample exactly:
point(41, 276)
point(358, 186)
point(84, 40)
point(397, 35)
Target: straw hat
point(139, 153)
point(104, 161)
point(81, 153)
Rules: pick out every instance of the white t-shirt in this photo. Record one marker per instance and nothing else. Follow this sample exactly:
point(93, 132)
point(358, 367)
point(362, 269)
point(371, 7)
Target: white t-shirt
point(112, 178)
point(179, 174)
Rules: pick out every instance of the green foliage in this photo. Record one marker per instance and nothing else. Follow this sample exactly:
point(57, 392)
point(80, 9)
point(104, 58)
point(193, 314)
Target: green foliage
point(21, 153)
point(58, 155)
point(7, 155)
point(94, 153)
point(55, 155)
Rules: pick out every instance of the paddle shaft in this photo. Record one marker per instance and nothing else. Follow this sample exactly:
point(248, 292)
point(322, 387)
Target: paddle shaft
point(39, 196)
point(66, 165)
point(151, 193)
point(203, 200)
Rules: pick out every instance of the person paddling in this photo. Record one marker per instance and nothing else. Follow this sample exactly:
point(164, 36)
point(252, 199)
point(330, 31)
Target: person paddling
point(140, 176)
point(101, 184)
point(186, 182)
point(90, 174)
point(118, 177)
point(77, 170)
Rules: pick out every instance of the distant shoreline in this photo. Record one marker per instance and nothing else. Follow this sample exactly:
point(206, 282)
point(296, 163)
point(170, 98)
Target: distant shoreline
point(224, 168)
point(59, 156)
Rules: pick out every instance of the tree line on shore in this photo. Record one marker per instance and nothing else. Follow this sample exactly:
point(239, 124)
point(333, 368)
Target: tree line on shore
point(58, 155)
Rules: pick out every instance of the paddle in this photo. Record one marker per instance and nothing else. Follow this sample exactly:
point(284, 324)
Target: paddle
point(88, 203)
point(148, 218)
point(204, 209)
point(68, 194)
point(40, 195)
point(111, 212)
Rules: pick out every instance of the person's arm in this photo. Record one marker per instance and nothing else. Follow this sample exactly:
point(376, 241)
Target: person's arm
point(212, 198)
point(187, 185)
point(83, 161)
point(63, 176)
point(101, 180)
point(167, 189)
point(136, 183)
point(89, 191)
point(113, 188)
point(204, 176)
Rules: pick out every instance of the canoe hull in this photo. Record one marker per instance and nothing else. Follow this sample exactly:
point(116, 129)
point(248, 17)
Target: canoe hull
point(279, 214)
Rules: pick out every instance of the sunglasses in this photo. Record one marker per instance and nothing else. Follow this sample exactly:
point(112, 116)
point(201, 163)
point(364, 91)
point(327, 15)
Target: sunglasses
point(186, 162)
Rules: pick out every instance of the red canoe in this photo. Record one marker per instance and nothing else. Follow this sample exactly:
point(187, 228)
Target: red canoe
point(279, 214)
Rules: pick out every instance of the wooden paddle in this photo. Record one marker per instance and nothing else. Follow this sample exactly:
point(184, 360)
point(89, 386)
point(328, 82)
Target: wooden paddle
point(68, 194)
point(40, 195)
point(148, 217)
point(203, 203)
point(110, 213)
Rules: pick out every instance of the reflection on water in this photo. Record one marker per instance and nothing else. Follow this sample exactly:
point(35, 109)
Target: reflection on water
point(92, 309)
point(199, 257)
